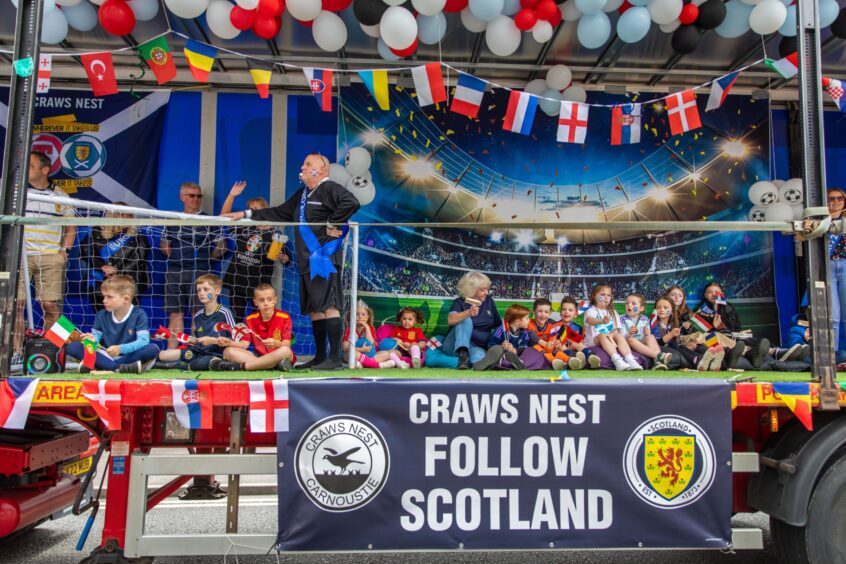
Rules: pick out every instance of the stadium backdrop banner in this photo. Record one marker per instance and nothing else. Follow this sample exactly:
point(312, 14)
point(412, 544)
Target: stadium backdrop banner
point(403, 464)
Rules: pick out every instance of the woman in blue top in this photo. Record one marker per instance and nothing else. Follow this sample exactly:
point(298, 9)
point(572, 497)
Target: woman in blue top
point(472, 318)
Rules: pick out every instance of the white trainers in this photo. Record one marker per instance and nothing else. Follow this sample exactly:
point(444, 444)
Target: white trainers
point(619, 363)
point(558, 364)
point(576, 363)
point(633, 363)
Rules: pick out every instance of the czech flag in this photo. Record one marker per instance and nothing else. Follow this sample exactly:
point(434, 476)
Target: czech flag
point(200, 59)
point(625, 124)
point(719, 90)
point(520, 113)
point(797, 397)
point(468, 95)
point(429, 84)
point(320, 83)
point(376, 82)
point(15, 399)
point(192, 403)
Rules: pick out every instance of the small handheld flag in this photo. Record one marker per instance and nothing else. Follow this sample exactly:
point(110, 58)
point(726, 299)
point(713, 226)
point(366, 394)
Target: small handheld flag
point(653, 320)
point(700, 323)
point(434, 343)
point(162, 333)
point(720, 299)
point(711, 339)
point(90, 358)
point(584, 305)
point(60, 332)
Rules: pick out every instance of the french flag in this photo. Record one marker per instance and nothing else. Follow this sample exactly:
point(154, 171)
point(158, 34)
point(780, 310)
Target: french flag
point(429, 83)
point(15, 400)
point(719, 90)
point(192, 403)
point(320, 83)
point(520, 113)
point(468, 95)
point(625, 124)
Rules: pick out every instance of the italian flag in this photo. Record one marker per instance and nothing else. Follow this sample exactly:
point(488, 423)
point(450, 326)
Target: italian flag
point(700, 324)
point(787, 67)
point(60, 331)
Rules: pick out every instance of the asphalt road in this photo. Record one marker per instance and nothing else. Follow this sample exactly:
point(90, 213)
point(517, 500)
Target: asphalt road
point(53, 542)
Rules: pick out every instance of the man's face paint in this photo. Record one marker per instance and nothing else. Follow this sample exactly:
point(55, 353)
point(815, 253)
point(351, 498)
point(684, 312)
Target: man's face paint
point(314, 172)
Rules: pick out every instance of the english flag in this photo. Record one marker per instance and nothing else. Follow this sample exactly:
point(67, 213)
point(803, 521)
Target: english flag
point(105, 399)
point(192, 403)
point(101, 73)
point(572, 122)
point(468, 95)
point(320, 83)
point(682, 111)
point(269, 406)
point(625, 124)
point(45, 66)
point(15, 400)
point(520, 113)
point(835, 89)
point(719, 90)
point(429, 84)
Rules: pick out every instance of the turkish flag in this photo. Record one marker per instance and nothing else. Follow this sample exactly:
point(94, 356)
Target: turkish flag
point(101, 73)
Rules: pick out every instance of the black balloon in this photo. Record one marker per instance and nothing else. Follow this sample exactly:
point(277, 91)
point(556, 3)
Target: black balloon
point(838, 28)
point(369, 12)
point(787, 46)
point(711, 14)
point(686, 39)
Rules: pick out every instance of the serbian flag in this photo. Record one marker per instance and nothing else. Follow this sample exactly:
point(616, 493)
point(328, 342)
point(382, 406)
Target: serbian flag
point(720, 298)
point(376, 82)
point(269, 406)
point(60, 332)
point(15, 399)
point(835, 89)
point(700, 324)
point(572, 122)
point(520, 113)
point(797, 397)
point(45, 67)
point(468, 95)
point(682, 112)
point(320, 84)
point(101, 73)
point(625, 124)
point(787, 67)
point(429, 84)
point(261, 72)
point(200, 59)
point(192, 403)
point(90, 358)
point(104, 396)
point(156, 53)
point(719, 90)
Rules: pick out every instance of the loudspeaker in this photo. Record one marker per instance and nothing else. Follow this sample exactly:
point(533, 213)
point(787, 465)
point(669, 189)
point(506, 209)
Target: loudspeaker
point(42, 357)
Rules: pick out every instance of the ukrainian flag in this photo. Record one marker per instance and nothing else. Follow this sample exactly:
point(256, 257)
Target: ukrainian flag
point(200, 59)
point(377, 82)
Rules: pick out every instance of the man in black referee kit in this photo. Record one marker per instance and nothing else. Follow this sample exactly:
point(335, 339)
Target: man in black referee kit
point(319, 252)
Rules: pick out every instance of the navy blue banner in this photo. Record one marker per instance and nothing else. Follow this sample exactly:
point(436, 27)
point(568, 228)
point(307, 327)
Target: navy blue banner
point(507, 464)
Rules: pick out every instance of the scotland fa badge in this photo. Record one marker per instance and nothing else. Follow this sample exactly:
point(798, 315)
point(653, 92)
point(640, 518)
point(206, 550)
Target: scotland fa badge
point(83, 156)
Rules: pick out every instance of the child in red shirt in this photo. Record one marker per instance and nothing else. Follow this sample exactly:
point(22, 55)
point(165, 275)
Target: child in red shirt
point(406, 338)
point(368, 354)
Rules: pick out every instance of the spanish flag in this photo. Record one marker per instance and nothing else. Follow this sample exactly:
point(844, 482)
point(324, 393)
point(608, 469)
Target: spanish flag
point(200, 59)
point(261, 71)
point(377, 82)
point(797, 397)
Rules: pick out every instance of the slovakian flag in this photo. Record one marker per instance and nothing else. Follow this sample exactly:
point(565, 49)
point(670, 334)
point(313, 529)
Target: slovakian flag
point(104, 396)
point(60, 332)
point(156, 53)
point(797, 397)
point(787, 67)
point(320, 83)
point(261, 71)
point(45, 68)
point(200, 59)
point(700, 323)
point(90, 358)
point(625, 124)
point(429, 84)
point(835, 89)
point(269, 406)
point(572, 122)
point(376, 82)
point(100, 72)
point(682, 112)
point(468, 95)
point(719, 90)
point(520, 113)
point(192, 403)
point(15, 400)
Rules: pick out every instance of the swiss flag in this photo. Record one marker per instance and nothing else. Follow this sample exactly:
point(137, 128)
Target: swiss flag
point(682, 111)
point(104, 397)
point(101, 73)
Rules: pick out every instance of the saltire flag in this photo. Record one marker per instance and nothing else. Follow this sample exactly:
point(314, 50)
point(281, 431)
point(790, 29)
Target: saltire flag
point(468, 95)
point(376, 82)
point(584, 305)
point(90, 358)
point(269, 406)
point(162, 333)
point(700, 323)
point(433, 344)
point(100, 72)
point(520, 113)
point(625, 124)
point(192, 403)
point(711, 339)
point(320, 83)
point(60, 332)
point(104, 396)
point(45, 67)
point(261, 71)
point(797, 397)
point(200, 59)
point(572, 122)
point(719, 90)
point(835, 89)
point(156, 53)
point(787, 67)
point(15, 400)
point(682, 112)
point(429, 84)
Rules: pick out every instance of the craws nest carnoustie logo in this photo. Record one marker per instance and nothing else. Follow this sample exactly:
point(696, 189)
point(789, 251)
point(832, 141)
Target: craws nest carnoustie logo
point(669, 461)
point(342, 463)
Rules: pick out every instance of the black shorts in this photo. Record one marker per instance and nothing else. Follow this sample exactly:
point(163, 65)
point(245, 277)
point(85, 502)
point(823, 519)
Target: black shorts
point(179, 290)
point(319, 294)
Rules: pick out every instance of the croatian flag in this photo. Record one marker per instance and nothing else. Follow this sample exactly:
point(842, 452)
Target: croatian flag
point(625, 124)
point(520, 113)
point(15, 399)
point(468, 95)
point(269, 406)
point(835, 89)
point(719, 90)
point(320, 83)
point(429, 84)
point(572, 122)
point(192, 403)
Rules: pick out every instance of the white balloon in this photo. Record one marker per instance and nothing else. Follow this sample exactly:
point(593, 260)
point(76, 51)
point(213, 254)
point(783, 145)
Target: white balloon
point(779, 211)
point(550, 104)
point(393, 2)
point(357, 161)
point(217, 18)
point(188, 9)
point(486, 10)
point(339, 173)
point(763, 193)
point(665, 11)
point(82, 17)
point(798, 210)
point(569, 11)
point(431, 29)
point(248, 4)
point(757, 213)
point(428, 7)
point(49, 6)
point(542, 31)
point(69, 3)
point(362, 188)
point(471, 22)
point(54, 27)
point(371, 30)
point(670, 27)
point(385, 51)
point(778, 183)
point(304, 10)
point(767, 17)
point(751, 2)
point(398, 28)
point(574, 93)
point(537, 87)
point(559, 77)
point(792, 192)
point(502, 36)
point(144, 10)
point(612, 6)
point(329, 31)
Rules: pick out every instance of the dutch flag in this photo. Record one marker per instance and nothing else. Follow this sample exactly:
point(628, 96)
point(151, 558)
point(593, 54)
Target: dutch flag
point(520, 113)
point(468, 95)
point(192, 403)
point(15, 399)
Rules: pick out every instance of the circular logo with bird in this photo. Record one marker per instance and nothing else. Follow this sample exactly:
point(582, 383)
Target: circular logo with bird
point(342, 463)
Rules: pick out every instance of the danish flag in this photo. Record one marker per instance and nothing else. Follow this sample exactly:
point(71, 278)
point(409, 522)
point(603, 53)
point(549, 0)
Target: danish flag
point(105, 399)
point(269, 406)
point(682, 111)
point(572, 122)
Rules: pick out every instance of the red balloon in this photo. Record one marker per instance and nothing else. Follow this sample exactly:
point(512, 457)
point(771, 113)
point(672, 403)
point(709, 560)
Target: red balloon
point(267, 27)
point(689, 14)
point(336, 5)
point(546, 10)
point(555, 19)
point(525, 19)
point(116, 17)
point(455, 5)
point(242, 19)
point(271, 7)
point(407, 51)
point(624, 6)
point(529, 4)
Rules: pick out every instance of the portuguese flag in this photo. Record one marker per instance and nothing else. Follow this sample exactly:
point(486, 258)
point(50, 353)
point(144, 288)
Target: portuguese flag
point(90, 359)
point(156, 53)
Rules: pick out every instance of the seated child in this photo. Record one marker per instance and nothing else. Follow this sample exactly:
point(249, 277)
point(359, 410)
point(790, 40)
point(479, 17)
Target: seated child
point(206, 341)
point(368, 353)
point(508, 341)
point(635, 327)
point(798, 339)
point(572, 335)
point(407, 339)
point(549, 343)
point(270, 335)
point(121, 331)
point(602, 329)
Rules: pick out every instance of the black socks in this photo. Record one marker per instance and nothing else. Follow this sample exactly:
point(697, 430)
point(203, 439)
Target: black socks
point(334, 330)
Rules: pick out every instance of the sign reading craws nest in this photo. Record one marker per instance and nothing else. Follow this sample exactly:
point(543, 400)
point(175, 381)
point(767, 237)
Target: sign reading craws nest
point(393, 465)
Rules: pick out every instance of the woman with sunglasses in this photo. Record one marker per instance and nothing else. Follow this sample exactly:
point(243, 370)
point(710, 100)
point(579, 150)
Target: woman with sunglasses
point(837, 267)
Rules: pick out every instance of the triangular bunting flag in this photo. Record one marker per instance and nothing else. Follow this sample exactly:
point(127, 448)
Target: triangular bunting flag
point(719, 90)
point(320, 83)
point(200, 59)
point(682, 112)
point(261, 71)
point(429, 84)
point(797, 397)
point(376, 82)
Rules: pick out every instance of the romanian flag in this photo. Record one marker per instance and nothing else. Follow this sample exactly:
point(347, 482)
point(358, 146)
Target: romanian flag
point(90, 358)
point(700, 324)
point(200, 59)
point(261, 71)
point(156, 53)
point(797, 397)
point(377, 82)
point(711, 339)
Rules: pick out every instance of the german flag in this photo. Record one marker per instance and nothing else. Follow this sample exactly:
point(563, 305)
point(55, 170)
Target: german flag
point(200, 59)
point(261, 71)
point(797, 397)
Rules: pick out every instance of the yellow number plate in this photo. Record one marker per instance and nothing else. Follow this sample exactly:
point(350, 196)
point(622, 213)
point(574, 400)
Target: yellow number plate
point(79, 467)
